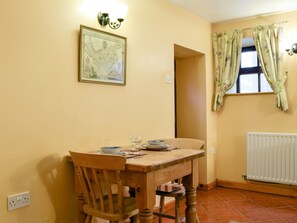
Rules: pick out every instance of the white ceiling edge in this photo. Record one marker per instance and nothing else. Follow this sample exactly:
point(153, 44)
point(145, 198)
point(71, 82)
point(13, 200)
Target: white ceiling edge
point(216, 11)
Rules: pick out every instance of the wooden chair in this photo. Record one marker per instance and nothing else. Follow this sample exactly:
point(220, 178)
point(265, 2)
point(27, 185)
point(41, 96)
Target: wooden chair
point(178, 195)
point(97, 174)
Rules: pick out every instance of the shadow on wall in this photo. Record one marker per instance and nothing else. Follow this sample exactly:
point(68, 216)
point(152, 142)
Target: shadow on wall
point(57, 176)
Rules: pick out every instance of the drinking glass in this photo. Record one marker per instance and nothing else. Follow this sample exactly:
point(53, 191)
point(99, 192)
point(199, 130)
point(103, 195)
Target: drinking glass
point(135, 140)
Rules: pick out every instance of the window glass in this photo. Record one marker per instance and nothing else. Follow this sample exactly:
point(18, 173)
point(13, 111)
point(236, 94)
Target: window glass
point(248, 59)
point(265, 87)
point(248, 83)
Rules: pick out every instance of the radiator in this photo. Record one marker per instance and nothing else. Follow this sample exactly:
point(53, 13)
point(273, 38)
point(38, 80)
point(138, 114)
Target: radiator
point(272, 157)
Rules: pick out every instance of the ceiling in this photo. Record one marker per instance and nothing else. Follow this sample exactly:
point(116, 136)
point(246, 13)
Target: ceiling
point(216, 11)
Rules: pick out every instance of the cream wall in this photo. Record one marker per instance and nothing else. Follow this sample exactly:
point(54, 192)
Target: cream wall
point(45, 111)
point(245, 113)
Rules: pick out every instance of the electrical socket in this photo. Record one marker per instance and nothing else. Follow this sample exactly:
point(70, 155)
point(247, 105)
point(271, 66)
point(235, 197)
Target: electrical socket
point(18, 200)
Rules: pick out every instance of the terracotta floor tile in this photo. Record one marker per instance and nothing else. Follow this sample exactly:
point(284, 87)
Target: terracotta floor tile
point(201, 210)
point(223, 190)
point(268, 203)
point(255, 195)
point(277, 220)
point(230, 215)
point(232, 197)
point(243, 205)
point(222, 205)
point(286, 213)
point(260, 214)
point(206, 219)
point(213, 208)
point(207, 198)
point(292, 201)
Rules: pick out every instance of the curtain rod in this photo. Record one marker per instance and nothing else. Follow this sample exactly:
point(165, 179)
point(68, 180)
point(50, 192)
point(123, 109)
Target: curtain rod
point(278, 23)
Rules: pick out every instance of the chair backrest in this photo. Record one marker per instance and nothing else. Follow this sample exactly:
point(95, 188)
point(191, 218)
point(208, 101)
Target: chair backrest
point(186, 143)
point(97, 173)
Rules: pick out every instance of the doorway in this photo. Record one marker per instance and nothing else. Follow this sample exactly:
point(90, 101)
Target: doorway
point(190, 93)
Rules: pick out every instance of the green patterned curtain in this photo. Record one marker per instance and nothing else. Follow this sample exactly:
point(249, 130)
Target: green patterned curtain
point(267, 41)
point(227, 49)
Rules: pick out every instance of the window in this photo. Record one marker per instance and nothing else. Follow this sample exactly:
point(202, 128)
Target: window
point(250, 78)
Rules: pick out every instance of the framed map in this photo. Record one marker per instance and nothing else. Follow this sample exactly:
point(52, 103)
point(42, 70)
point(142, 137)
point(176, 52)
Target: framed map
point(102, 57)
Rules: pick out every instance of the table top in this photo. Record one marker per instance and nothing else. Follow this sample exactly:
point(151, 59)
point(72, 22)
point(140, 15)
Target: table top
point(154, 160)
point(180, 150)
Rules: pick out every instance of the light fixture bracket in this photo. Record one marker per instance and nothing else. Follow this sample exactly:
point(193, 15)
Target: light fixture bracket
point(103, 18)
point(293, 50)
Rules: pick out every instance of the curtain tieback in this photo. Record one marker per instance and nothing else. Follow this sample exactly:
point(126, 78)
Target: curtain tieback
point(221, 89)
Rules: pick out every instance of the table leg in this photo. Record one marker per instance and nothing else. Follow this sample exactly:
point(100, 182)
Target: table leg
point(146, 216)
point(191, 211)
point(191, 182)
point(145, 196)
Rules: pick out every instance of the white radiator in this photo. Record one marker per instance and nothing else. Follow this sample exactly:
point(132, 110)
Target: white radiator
point(272, 157)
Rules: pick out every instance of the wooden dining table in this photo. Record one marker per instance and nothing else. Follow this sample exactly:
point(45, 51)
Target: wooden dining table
point(149, 169)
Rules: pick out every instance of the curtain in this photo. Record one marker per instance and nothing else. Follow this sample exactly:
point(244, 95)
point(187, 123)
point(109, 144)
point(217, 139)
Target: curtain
point(227, 50)
point(267, 41)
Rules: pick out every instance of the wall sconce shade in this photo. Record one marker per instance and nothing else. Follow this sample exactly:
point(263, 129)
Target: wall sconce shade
point(292, 50)
point(103, 19)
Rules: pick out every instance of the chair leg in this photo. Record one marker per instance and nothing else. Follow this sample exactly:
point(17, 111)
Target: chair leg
point(88, 219)
point(197, 219)
point(177, 211)
point(162, 201)
point(134, 219)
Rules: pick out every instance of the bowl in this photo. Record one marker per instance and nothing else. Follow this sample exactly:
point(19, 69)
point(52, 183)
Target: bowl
point(111, 149)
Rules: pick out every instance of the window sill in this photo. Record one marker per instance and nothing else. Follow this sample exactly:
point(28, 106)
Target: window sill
point(256, 93)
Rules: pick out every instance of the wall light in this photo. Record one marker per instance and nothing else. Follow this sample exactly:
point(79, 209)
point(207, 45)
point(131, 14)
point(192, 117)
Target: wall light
point(292, 50)
point(113, 15)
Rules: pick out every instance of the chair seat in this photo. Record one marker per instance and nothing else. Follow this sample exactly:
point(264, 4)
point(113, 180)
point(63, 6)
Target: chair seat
point(171, 190)
point(129, 204)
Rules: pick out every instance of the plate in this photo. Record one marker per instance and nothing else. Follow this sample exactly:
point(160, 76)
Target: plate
point(156, 147)
point(156, 142)
point(121, 153)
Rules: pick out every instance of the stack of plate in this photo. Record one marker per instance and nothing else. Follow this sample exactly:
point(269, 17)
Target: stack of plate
point(156, 144)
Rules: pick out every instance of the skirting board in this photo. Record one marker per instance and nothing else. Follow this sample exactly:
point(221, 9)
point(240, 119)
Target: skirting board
point(256, 186)
point(207, 187)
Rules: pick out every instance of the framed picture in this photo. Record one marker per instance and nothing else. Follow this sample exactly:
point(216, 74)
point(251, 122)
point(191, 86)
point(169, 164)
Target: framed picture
point(102, 57)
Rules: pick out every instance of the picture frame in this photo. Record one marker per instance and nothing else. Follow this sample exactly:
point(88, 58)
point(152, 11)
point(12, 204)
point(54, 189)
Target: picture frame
point(102, 57)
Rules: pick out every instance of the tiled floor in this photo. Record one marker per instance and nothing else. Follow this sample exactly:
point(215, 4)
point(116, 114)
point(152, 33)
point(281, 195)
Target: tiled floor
point(222, 205)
